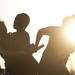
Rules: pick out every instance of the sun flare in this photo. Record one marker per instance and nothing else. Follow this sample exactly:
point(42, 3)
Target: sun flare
point(70, 36)
point(70, 31)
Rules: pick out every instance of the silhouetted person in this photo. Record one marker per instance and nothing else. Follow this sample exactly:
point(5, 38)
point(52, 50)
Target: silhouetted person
point(3, 38)
point(21, 61)
point(3, 34)
point(55, 56)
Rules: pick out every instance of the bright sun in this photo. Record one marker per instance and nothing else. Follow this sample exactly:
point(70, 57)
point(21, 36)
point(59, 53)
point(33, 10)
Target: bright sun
point(70, 35)
point(70, 30)
point(42, 13)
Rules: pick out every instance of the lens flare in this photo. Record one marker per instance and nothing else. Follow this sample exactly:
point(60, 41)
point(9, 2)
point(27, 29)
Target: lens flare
point(70, 32)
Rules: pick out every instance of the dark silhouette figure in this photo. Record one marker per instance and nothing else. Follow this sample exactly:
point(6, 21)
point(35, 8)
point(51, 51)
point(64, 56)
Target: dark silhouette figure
point(3, 37)
point(55, 56)
point(3, 34)
point(20, 60)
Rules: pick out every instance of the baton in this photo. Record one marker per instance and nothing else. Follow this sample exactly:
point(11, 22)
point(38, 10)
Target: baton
point(39, 47)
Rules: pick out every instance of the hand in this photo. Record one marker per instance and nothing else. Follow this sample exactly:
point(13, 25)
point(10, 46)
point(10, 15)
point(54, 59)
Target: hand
point(34, 48)
point(39, 47)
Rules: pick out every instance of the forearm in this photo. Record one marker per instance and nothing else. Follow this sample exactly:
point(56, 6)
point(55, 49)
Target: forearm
point(38, 37)
point(40, 33)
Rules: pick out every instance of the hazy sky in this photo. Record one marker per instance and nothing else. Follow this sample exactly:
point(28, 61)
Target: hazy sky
point(42, 13)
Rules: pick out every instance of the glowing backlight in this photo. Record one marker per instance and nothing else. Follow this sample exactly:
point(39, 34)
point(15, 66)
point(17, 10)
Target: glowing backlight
point(70, 31)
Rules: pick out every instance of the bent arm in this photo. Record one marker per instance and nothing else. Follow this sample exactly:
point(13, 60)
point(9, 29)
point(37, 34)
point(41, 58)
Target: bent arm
point(41, 32)
point(45, 31)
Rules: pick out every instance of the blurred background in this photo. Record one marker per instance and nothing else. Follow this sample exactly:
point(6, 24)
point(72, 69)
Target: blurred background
point(42, 13)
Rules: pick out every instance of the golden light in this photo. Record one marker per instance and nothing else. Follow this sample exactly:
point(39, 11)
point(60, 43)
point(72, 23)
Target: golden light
point(70, 30)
